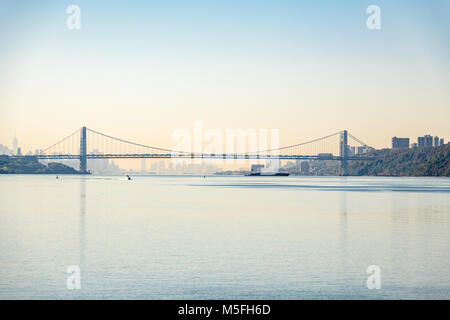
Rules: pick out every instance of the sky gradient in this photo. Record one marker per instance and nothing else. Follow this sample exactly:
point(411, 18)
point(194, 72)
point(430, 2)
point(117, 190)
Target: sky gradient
point(140, 70)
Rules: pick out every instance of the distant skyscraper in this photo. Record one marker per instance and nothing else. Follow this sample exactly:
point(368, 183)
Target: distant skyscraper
point(441, 142)
point(143, 165)
point(436, 141)
point(420, 141)
point(414, 145)
point(5, 150)
point(400, 143)
point(15, 145)
point(428, 140)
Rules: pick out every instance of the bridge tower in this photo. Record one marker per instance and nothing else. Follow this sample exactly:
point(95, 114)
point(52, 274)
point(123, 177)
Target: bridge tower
point(83, 158)
point(343, 152)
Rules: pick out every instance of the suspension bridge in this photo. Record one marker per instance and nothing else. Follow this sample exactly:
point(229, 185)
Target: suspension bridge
point(85, 143)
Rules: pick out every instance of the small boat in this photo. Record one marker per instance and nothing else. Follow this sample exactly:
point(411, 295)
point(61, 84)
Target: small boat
point(129, 178)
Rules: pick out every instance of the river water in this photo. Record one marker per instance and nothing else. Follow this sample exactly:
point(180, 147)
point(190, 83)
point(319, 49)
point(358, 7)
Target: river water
point(190, 237)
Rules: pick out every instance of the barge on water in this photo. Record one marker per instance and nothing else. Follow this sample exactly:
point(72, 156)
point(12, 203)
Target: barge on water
point(258, 170)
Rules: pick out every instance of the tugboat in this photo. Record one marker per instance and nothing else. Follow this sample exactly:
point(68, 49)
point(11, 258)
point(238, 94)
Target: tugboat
point(258, 170)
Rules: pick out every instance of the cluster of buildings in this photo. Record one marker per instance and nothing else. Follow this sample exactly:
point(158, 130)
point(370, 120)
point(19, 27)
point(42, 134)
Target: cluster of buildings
point(358, 150)
point(425, 141)
point(5, 150)
point(15, 148)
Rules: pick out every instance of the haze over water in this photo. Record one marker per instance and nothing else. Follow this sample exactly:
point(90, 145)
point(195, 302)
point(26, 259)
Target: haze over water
point(189, 237)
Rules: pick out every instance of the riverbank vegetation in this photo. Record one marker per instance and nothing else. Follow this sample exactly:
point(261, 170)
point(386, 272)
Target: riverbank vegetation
point(431, 161)
point(31, 165)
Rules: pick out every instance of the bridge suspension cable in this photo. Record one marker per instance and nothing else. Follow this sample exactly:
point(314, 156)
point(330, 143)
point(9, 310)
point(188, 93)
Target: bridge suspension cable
point(101, 143)
point(186, 152)
point(357, 140)
point(298, 144)
point(69, 136)
point(133, 143)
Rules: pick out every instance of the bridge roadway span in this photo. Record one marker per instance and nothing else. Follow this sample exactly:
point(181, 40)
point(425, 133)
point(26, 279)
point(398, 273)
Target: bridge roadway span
point(195, 156)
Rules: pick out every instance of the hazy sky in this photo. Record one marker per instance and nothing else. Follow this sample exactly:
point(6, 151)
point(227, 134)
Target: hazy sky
point(141, 69)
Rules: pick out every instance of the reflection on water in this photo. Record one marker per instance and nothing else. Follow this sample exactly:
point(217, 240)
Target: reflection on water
point(82, 221)
point(159, 237)
point(343, 228)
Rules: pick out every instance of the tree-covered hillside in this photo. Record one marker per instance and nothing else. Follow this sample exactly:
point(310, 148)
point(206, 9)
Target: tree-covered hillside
point(433, 161)
point(31, 165)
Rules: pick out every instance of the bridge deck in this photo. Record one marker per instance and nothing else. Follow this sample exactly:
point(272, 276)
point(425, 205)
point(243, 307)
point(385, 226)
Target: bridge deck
point(194, 156)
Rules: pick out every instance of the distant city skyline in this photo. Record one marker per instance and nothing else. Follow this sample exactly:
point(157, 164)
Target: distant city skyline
point(143, 72)
point(426, 140)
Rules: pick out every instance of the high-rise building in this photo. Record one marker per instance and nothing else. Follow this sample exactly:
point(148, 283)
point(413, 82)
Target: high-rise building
point(15, 145)
point(436, 141)
point(400, 143)
point(428, 140)
point(420, 141)
point(414, 145)
point(441, 142)
point(5, 150)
